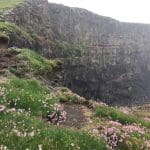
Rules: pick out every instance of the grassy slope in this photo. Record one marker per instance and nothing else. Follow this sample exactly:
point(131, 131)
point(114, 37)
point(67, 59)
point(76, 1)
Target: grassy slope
point(17, 36)
point(129, 124)
point(18, 127)
point(28, 95)
point(4, 4)
point(119, 116)
point(26, 132)
point(36, 63)
point(25, 128)
point(10, 28)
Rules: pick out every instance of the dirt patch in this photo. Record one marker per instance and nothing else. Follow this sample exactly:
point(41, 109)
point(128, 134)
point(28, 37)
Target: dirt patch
point(76, 116)
point(3, 80)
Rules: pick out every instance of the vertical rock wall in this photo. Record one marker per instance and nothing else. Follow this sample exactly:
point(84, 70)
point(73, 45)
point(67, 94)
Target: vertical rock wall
point(114, 65)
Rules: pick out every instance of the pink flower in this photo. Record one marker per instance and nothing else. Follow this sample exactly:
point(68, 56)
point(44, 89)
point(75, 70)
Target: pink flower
point(147, 143)
point(58, 115)
point(112, 137)
point(147, 119)
point(134, 128)
point(2, 108)
point(114, 123)
point(11, 110)
point(110, 130)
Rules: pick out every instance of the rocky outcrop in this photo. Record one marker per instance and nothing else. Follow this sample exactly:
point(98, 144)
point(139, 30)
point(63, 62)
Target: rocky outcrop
point(113, 63)
point(8, 60)
point(4, 41)
point(114, 66)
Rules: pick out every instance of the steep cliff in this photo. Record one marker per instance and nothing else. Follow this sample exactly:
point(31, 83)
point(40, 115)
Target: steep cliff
point(103, 58)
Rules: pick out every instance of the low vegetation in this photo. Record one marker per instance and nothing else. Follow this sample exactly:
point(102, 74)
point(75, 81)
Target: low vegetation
point(36, 63)
point(32, 115)
point(5, 4)
point(18, 37)
point(24, 132)
point(64, 49)
point(28, 95)
point(23, 104)
point(117, 115)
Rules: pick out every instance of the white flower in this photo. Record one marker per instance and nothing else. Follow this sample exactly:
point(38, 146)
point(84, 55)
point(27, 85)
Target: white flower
point(2, 108)
point(40, 147)
point(31, 134)
point(72, 144)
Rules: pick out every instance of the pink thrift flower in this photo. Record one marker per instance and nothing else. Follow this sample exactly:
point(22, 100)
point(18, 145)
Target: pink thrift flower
point(2, 108)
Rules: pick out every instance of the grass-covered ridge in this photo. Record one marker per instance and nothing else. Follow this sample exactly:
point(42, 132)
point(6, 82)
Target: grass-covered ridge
point(18, 37)
point(117, 115)
point(28, 95)
point(36, 63)
point(5, 4)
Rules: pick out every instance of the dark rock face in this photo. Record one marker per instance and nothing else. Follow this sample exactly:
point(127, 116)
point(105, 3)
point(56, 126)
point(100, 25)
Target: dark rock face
point(4, 41)
point(114, 65)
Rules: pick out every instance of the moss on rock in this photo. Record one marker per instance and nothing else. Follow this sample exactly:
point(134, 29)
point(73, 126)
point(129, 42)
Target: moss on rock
point(18, 37)
point(32, 63)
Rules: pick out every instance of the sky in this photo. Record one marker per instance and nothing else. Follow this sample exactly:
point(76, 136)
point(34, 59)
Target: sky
point(123, 10)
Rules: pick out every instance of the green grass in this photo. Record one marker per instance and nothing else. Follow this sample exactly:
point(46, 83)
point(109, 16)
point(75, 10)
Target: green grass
point(64, 49)
point(18, 37)
point(36, 63)
point(68, 97)
point(50, 137)
point(17, 127)
point(3, 35)
point(5, 4)
point(116, 115)
point(29, 95)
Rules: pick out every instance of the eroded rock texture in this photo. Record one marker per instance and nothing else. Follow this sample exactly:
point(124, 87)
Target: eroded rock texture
point(114, 60)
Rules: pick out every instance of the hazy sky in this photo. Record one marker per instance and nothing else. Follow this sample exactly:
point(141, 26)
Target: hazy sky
point(123, 10)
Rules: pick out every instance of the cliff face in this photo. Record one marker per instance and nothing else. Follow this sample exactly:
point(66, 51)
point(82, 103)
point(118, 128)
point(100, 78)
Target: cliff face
point(113, 65)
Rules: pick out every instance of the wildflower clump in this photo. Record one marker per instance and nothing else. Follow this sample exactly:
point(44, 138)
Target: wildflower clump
point(3, 93)
point(2, 108)
point(112, 137)
point(57, 114)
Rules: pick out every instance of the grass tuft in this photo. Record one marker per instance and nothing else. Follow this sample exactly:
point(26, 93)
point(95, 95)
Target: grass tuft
point(28, 95)
point(36, 63)
point(117, 115)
